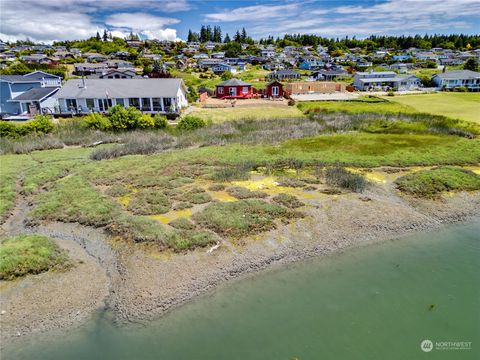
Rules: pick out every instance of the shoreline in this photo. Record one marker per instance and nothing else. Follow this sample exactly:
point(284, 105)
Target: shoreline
point(142, 286)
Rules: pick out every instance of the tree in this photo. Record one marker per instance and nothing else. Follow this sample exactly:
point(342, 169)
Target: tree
point(98, 36)
point(190, 36)
point(237, 38)
point(105, 35)
point(227, 39)
point(471, 64)
point(203, 34)
point(217, 34)
point(226, 75)
point(244, 34)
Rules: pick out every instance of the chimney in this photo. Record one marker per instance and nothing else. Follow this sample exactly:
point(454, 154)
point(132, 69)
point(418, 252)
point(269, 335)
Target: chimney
point(83, 85)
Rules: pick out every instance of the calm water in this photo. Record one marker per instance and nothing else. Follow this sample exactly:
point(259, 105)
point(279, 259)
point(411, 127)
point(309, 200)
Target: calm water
point(368, 303)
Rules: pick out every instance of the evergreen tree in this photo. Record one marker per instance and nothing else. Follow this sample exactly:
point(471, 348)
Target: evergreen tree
point(227, 39)
point(98, 36)
point(203, 34)
point(244, 34)
point(190, 36)
point(237, 37)
point(217, 34)
point(209, 33)
point(471, 64)
point(105, 35)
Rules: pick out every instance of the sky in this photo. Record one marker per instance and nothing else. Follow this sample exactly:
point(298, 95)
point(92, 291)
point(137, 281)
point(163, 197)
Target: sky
point(50, 20)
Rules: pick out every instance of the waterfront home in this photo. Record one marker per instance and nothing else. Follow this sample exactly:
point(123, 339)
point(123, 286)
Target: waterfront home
point(27, 94)
point(98, 95)
point(234, 89)
point(458, 78)
point(286, 74)
point(384, 80)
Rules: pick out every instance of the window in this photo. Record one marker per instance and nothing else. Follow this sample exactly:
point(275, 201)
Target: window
point(90, 103)
point(167, 103)
point(71, 104)
point(220, 90)
point(120, 102)
point(146, 104)
point(156, 104)
point(232, 91)
point(135, 102)
point(275, 90)
point(245, 90)
point(104, 104)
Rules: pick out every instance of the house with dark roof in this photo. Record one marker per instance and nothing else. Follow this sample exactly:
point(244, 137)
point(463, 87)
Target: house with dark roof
point(234, 89)
point(328, 75)
point(28, 94)
point(286, 74)
point(458, 78)
point(159, 95)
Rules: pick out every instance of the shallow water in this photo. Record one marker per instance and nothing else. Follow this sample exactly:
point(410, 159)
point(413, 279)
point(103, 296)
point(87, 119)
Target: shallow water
point(375, 302)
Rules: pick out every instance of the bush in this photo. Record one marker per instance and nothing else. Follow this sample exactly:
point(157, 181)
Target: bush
point(144, 121)
point(8, 130)
point(118, 117)
point(287, 200)
point(338, 176)
point(160, 122)
point(291, 102)
point(190, 122)
point(97, 121)
point(40, 124)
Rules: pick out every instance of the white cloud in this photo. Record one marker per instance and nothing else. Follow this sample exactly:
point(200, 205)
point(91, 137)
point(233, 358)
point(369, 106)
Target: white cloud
point(147, 25)
point(257, 12)
point(50, 20)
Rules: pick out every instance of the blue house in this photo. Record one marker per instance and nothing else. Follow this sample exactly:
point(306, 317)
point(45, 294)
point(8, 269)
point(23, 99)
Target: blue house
point(311, 64)
point(401, 57)
point(28, 94)
point(221, 68)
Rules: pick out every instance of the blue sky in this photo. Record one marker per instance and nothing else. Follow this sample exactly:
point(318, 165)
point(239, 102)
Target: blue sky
point(48, 20)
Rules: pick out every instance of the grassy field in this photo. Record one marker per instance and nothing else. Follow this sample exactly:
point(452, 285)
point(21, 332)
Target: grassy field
point(465, 106)
point(241, 113)
point(29, 254)
point(362, 105)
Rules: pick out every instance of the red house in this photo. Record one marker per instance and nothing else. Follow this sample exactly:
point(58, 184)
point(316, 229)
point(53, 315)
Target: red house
point(234, 89)
point(274, 89)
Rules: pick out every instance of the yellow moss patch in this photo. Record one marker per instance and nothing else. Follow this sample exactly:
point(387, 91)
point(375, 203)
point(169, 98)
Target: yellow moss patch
point(222, 196)
point(475, 169)
point(124, 200)
point(172, 215)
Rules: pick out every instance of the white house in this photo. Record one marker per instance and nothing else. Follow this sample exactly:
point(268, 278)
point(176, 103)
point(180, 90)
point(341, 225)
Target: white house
point(384, 80)
point(98, 95)
point(458, 78)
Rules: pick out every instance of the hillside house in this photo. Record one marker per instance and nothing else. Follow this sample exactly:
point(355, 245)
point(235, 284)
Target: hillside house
point(28, 94)
point(234, 89)
point(384, 80)
point(311, 64)
point(328, 75)
point(221, 68)
point(458, 78)
point(163, 96)
point(284, 75)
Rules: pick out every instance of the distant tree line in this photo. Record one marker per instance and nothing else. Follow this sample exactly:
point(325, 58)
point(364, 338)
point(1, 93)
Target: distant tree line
point(207, 33)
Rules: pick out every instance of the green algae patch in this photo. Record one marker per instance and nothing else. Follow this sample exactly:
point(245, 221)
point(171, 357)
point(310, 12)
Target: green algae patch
point(172, 215)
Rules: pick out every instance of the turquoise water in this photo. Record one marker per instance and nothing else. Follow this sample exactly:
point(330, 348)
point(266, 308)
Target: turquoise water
point(375, 302)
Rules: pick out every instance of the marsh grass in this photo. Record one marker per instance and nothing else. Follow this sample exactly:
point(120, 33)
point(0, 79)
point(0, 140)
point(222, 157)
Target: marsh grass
point(288, 201)
point(245, 217)
point(149, 201)
point(30, 254)
point(339, 176)
point(432, 182)
point(244, 193)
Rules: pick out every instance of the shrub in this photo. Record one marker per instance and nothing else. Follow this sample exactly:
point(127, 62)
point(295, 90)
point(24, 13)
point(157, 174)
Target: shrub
point(118, 117)
point(430, 183)
point(291, 102)
point(240, 171)
point(338, 176)
point(190, 122)
point(160, 122)
point(244, 193)
point(8, 129)
point(40, 124)
point(288, 200)
point(216, 187)
point(97, 121)
point(182, 223)
point(144, 121)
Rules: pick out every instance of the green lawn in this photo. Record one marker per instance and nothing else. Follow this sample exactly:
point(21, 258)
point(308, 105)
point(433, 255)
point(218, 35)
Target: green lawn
point(465, 106)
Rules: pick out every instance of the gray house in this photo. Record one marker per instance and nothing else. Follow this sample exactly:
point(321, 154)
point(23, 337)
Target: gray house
point(98, 95)
point(458, 78)
point(384, 80)
point(286, 74)
point(28, 94)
